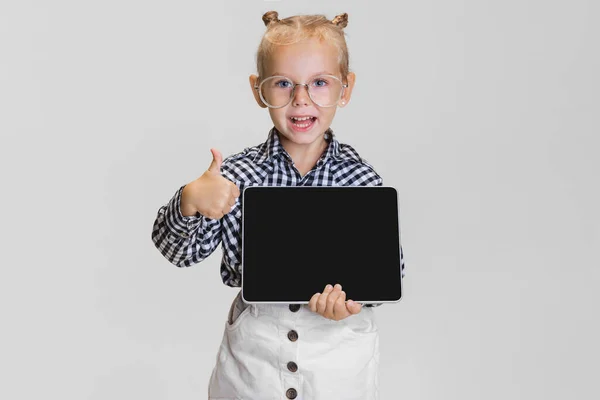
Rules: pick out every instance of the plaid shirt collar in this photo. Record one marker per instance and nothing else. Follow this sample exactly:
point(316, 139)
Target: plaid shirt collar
point(272, 149)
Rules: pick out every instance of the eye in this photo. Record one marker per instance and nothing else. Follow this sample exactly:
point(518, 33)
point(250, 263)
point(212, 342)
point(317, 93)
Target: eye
point(283, 84)
point(320, 82)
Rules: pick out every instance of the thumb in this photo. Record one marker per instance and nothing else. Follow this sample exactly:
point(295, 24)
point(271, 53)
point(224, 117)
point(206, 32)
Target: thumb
point(215, 165)
point(353, 307)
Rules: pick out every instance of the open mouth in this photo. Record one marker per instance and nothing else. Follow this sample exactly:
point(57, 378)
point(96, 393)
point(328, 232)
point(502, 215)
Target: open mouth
point(303, 123)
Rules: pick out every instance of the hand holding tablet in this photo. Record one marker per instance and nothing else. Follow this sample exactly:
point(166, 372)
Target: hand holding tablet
point(332, 303)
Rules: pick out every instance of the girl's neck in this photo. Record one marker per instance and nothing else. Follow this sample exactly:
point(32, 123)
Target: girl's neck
point(305, 156)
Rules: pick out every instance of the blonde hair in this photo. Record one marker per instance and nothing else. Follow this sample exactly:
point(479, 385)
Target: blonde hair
point(300, 27)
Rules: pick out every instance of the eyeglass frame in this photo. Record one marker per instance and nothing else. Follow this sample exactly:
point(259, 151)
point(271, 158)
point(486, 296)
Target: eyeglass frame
point(258, 87)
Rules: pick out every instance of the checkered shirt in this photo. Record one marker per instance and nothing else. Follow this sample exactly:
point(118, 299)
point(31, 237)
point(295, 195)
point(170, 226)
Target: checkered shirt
point(186, 240)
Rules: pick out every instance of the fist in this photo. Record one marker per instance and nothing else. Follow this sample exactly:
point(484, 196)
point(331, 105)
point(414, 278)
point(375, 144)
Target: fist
point(332, 303)
point(211, 194)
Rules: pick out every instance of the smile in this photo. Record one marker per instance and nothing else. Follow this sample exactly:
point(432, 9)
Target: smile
point(303, 122)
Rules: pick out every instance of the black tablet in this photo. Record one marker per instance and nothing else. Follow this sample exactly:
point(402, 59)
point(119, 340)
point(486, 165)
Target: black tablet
point(297, 239)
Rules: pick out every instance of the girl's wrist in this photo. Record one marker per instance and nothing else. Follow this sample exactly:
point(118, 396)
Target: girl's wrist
point(187, 208)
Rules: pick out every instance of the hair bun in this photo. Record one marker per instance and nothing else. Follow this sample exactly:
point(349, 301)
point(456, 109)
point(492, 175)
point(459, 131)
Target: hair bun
point(341, 20)
point(269, 17)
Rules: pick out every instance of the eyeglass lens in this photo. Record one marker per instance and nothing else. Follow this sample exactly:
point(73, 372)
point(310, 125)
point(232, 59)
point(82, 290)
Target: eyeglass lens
point(277, 91)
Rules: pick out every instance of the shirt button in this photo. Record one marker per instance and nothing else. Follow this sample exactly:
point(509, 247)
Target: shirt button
point(292, 335)
point(294, 307)
point(292, 366)
point(291, 393)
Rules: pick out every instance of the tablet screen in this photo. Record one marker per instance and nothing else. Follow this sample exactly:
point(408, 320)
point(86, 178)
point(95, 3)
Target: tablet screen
point(297, 239)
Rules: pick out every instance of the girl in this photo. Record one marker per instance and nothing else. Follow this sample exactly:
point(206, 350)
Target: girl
point(328, 349)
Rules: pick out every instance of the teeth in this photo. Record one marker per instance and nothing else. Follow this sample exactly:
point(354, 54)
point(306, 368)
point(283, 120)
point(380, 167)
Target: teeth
point(301, 119)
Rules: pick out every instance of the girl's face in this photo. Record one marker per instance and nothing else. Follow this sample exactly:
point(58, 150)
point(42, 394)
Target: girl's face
point(300, 62)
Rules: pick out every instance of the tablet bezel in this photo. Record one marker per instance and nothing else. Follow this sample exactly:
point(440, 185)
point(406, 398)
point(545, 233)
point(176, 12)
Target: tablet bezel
point(259, 187)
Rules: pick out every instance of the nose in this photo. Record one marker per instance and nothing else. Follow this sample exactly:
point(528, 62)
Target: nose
point(301, 96)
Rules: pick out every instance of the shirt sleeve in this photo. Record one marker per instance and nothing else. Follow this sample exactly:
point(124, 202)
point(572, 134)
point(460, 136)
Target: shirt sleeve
point(184, 240)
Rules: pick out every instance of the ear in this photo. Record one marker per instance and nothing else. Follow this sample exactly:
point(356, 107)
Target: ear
point(253, 82)
point(347, 93)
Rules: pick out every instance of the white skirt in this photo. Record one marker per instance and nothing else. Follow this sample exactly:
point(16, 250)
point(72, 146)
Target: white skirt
point(278, 351)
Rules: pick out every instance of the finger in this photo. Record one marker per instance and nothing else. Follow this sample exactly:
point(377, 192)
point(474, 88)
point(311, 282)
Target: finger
point(235, 190)
point(228, 207)
point(215, 165)
point(216, 215)
point(322, 301)
point(312, 304)
point(331, 299)
point(339, 308)
point(353, 307)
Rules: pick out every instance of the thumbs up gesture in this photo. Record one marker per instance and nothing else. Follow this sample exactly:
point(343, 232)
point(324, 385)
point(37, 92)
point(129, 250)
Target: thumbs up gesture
point(211, 194)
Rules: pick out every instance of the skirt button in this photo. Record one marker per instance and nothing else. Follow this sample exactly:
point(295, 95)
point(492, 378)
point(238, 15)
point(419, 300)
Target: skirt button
point(291, 393)
point(292, 335)
point(292, 366)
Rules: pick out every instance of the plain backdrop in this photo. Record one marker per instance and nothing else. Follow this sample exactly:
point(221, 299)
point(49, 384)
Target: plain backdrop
point(484, 116)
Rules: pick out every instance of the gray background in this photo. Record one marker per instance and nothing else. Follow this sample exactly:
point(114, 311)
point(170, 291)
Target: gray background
point(484, 116)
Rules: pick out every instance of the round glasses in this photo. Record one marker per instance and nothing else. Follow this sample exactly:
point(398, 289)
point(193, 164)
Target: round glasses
point(323, 90)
